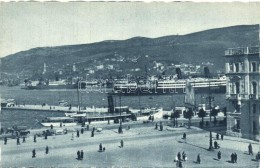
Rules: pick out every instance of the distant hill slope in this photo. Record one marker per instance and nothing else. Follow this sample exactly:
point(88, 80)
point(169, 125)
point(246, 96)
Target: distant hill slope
point(204, 46)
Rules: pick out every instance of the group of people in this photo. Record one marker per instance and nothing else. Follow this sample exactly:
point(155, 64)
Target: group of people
point(80, 155)
point(234, 157)
point(222, 136)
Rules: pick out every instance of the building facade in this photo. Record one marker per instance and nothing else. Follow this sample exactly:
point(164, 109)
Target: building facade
point(243, 91)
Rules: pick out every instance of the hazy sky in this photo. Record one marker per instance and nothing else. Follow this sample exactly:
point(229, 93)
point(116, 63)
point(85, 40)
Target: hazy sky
point(28, 25)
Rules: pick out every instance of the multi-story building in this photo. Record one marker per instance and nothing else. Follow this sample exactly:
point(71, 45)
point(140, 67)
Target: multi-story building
point(243, 91)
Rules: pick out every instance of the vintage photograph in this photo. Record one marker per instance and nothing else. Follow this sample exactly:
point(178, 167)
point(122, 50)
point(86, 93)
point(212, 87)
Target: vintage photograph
point(130, 84)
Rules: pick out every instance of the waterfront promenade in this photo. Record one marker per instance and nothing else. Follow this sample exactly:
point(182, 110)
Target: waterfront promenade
point(56, 108)
point(143, 146)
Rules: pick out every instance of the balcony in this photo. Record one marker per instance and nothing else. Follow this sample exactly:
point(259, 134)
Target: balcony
point(242, 51)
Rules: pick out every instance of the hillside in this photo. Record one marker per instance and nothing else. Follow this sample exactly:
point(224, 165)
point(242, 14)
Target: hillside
point(204, 46)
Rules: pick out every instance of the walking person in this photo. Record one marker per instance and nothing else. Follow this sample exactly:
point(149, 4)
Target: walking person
point(23, 139)
point(81, 155)
point(156, 126)
point(92, 133)
point(100, 147)
point(33, 153)
point(198, 159)
point(34, 138)
point(235, 157)
point(46, 150)
point(18, 141)
point(5, 140)
point(122, 143)
point(179, 156)
point(45, 136)
point(184, 137)
point(219, 155)
point(82, 130)
point(217, 136)
point(232, 158)
point(78, 133)
point(78, 155)
point(183, 156)
point(250, 149)
point(222, 137)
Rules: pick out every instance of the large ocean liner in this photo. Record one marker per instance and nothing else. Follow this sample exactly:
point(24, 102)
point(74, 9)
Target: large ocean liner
point(170, 86)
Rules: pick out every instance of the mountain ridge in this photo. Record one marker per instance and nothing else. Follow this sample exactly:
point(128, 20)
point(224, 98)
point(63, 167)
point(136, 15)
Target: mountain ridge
point(208, 45)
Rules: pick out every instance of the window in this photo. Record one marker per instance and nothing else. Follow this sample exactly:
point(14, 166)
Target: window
point(254, 88)
point(253, 66)
point(237, 87)
point(236, 67)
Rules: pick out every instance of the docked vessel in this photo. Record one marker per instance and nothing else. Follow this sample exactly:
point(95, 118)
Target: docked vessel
point(31, 85)
point(170, 86)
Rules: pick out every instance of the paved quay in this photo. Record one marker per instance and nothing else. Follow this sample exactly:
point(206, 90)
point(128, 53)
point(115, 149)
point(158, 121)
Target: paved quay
point(144, 146)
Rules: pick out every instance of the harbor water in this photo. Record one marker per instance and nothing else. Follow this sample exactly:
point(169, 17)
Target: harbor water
point(32, 118)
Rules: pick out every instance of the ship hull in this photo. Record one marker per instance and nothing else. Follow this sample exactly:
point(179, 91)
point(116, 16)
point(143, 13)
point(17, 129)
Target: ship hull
point(165, 91)
point(47, 87)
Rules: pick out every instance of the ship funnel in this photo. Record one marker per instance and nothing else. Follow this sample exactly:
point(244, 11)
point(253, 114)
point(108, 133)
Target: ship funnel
point(206, 72)
point(110, 104)
point(178, 72)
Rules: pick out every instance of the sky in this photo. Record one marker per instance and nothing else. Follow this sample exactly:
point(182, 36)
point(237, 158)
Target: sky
point(38, 24)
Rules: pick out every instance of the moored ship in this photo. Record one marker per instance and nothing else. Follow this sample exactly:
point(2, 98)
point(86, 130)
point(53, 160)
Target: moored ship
point(170, 86)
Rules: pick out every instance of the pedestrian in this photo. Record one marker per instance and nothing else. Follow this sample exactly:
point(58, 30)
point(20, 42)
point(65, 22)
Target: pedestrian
point(217, 136)
point(122, 143)
point(257, 157)
point(198, 159)
point(45, 136)
point(81, 155)
point(82, 130)
point(60, 124)
point(219, 155)
point(235, 157)
point(92, 133)
point(184, 137)
point(72, 136)
point(183, 156)
point(250, 149)
point(78, 133)
point(179, 156)
point(100, 147)
point(5, 139)
point(33, 153)
point(51, 126)
point(232, 158)
point(23, 139)
point(179, 164)
point(34, 138)
point(222, 137)
point(87, 127)
point(216, 145)
point(46, 150)
point(78, 154)
point(156, 126)
point(18, 141)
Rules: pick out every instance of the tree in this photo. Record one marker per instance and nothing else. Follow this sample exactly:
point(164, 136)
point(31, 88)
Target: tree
point(202, 114)
point(214, 113)
point(188, 115)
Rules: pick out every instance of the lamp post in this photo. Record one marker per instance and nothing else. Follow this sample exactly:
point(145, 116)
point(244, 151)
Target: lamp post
point(120, 131)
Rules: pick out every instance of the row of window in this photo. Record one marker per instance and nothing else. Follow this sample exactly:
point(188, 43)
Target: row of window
point(239, 66)
point(236, 88)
